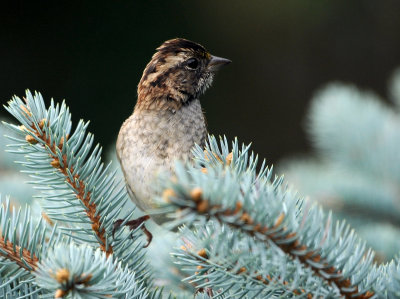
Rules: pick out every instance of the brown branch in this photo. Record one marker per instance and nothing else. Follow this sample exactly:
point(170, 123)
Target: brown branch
point(62, 166)
point(8, 252)
point(256, 229)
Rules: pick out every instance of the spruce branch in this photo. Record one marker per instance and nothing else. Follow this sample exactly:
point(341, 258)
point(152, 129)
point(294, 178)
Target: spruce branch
point(79, 191)
point(22, 245)
point(17, 289)
point(9, 242)
point(391, 281)
point(355, 167)
point(234, 195)
point(242, 267)
point(367, 143)
point(79, 272)
point(13, 253)
point(39, 131)
point(36, 261)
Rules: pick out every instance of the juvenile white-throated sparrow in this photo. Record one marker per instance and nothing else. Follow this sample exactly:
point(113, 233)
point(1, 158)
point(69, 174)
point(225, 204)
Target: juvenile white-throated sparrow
point(167, 120)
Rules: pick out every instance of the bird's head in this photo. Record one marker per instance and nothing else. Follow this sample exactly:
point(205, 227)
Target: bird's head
point(178, 72)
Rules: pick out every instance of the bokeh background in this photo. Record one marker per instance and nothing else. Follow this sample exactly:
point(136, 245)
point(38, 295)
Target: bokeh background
point(93, 54)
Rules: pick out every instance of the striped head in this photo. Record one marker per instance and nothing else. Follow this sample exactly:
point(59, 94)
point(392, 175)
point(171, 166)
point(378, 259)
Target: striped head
point(180, 71)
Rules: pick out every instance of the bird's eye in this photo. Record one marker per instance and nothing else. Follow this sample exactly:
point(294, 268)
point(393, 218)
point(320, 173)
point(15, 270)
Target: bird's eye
point(192, 63)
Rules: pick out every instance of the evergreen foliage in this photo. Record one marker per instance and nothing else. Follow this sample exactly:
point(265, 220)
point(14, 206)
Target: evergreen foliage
point(356, 167)
point(77, 191)
point(86, 274)
point(243, 232)
point(263, 215)
point(22, 246)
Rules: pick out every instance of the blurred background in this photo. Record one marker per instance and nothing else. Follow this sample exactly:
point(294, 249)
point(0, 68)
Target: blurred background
point(346, 153)
point(93, 56)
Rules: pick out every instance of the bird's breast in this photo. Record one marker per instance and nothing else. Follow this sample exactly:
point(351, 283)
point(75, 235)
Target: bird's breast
point(150, 141)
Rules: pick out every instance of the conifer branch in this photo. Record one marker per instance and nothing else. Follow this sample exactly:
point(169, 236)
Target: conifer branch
point(282, 238)
point(80, 192)
point(79, 271)
point(205, 266)
point(23, 243)
point(233, 194)
point(37, 133)
point(235, 264)
point(354, 169)
point(12, 252)
point(73, 179)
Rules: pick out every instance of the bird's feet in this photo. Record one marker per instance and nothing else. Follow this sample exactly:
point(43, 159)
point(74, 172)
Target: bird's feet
point(135, 223)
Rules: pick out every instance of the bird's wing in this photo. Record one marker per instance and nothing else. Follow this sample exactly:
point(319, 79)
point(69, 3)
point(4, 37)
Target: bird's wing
point(128, 188)
point(131, 193)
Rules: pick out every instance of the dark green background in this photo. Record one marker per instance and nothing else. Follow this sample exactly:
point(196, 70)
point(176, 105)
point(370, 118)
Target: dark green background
point(92, 54)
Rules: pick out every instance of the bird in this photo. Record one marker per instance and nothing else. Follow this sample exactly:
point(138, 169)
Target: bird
point(167, 120)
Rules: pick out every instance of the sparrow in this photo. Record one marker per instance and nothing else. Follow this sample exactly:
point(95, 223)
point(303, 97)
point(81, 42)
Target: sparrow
point(167, 120)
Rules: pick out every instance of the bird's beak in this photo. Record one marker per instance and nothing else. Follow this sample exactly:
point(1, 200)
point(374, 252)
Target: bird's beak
point(216, 62)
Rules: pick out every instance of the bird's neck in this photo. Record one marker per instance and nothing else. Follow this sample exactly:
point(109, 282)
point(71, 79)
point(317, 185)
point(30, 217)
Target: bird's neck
point(162, 96)
point(185, 112)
